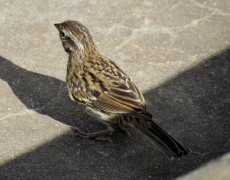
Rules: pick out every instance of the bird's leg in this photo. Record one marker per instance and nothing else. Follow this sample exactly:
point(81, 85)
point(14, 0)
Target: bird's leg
point(78, 131)
point(124, 131)
point(99, 135)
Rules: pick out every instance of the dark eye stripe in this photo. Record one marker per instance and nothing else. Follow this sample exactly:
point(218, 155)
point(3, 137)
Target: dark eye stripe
point(62, 34)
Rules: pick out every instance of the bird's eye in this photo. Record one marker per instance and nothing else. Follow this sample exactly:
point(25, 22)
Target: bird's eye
point(63, 36)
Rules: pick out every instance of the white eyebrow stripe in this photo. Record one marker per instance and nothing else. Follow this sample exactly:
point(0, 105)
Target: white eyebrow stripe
point(79, 45)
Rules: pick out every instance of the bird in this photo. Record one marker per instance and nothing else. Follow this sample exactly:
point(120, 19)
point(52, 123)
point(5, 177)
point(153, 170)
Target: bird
point(106, 92)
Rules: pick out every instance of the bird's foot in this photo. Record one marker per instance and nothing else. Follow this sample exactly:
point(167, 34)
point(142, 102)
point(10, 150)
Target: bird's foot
point(124, 131)
point(99, 135)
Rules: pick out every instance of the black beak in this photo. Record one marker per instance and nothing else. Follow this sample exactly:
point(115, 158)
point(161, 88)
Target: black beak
point(57, 26)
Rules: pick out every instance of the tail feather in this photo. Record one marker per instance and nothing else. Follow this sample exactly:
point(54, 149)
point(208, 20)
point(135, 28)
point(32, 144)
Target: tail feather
point(168, 144)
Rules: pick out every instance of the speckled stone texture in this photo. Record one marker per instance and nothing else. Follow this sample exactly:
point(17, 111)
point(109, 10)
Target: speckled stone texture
point(177, 53)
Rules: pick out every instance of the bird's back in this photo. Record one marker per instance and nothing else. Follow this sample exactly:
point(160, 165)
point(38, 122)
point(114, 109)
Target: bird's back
point(101, 83)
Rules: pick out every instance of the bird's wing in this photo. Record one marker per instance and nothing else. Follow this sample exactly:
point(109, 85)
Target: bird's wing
point(120, 98)
point(109, 90)
point(116, 93)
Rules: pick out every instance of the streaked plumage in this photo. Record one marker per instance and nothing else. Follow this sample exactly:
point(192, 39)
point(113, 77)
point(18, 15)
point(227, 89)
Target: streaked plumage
point(106, 91)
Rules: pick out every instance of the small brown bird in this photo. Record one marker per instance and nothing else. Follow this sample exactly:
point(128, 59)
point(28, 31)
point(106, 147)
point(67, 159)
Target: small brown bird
point(106, 91)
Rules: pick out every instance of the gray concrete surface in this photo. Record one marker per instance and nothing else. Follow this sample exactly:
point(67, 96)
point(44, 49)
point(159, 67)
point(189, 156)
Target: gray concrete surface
point(177, 52)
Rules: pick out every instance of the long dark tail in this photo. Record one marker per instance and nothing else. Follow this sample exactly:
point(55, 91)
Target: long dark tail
point(169, 145)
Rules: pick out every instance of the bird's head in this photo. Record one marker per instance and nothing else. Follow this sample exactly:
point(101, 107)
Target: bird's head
point(75, 37)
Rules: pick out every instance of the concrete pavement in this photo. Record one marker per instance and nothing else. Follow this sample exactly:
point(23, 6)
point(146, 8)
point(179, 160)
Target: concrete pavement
point(176, 52)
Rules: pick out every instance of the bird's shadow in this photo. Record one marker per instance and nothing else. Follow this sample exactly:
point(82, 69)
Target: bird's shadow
point(43, 94)
point(194, 107)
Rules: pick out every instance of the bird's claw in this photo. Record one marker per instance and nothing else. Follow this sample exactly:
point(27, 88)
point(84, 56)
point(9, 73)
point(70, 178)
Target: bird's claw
point(96, 135)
